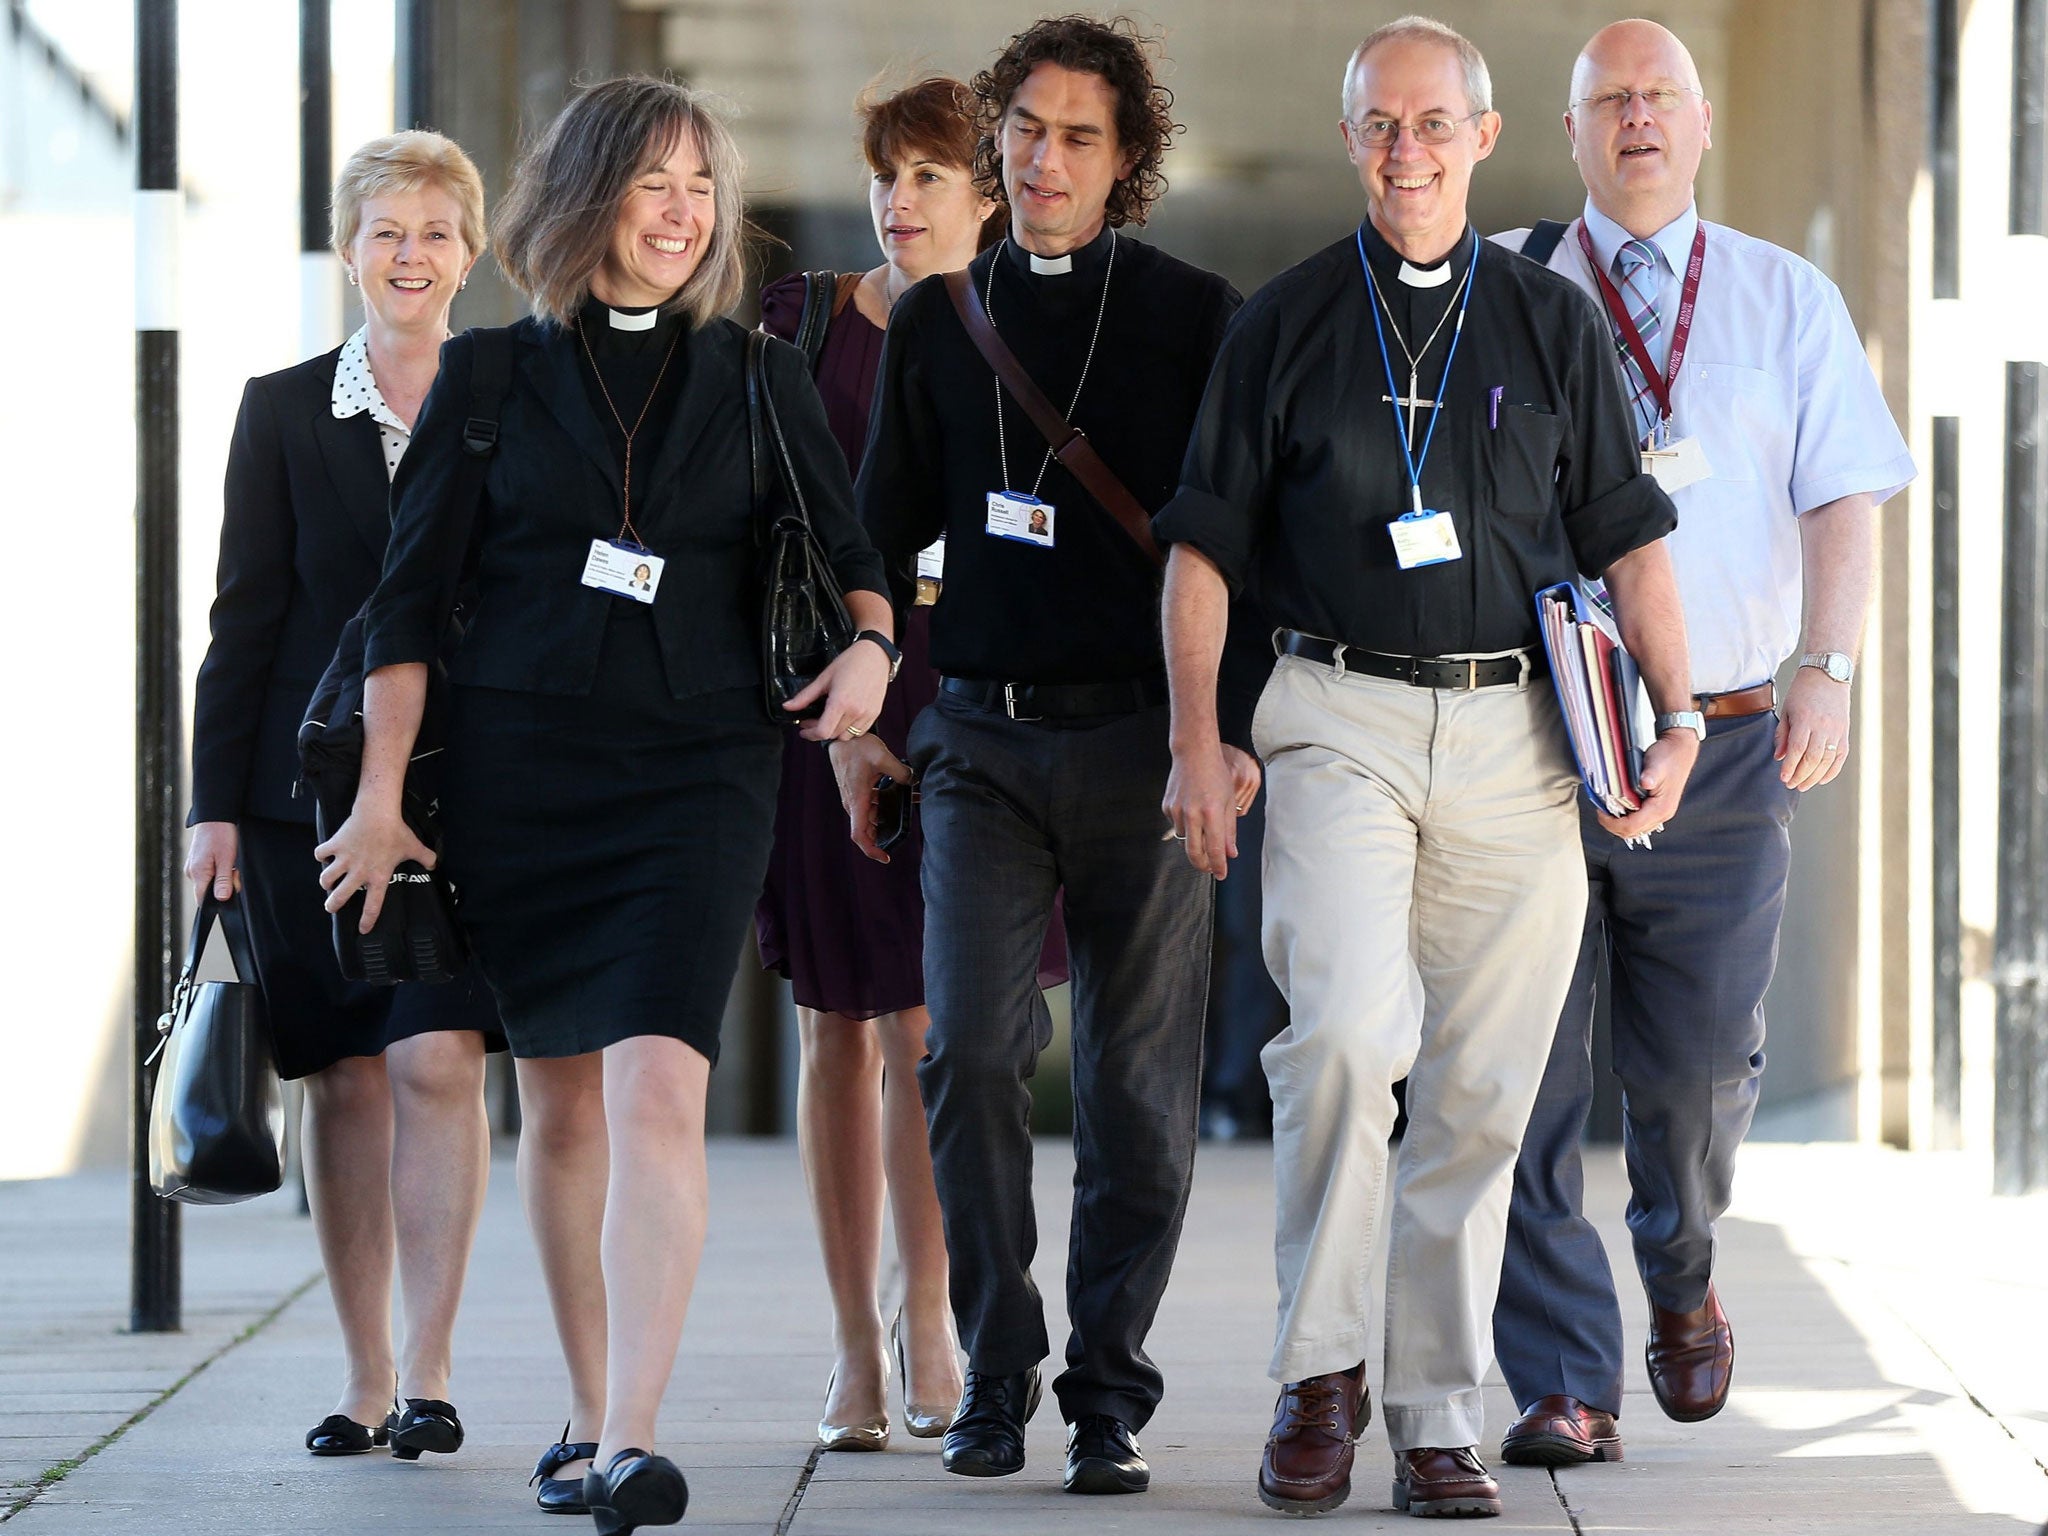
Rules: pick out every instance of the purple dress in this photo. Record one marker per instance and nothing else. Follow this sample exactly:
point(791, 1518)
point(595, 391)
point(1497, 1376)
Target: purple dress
point(847, 932)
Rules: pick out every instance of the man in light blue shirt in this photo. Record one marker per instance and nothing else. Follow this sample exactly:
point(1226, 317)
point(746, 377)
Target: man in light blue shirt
point(1758, 412)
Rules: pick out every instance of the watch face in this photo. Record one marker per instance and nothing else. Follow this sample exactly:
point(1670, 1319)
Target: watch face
point(1840, 668)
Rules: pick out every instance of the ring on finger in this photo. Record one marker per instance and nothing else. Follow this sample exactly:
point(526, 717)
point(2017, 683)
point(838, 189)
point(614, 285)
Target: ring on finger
point(853, 731)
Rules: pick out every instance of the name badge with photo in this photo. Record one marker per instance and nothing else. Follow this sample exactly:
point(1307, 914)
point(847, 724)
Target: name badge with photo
point(1677, 465)
point(1014, 515)
point(1424, 538)
point(623, 569)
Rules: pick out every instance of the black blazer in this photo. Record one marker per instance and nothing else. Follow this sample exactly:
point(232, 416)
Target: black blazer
point(303, 529)
point(553, 486)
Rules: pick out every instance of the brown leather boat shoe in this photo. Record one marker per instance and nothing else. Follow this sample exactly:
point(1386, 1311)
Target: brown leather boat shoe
point(1307, 1465)
point(1560, 1431)
point(1691, 1356)
point(1438, 1483)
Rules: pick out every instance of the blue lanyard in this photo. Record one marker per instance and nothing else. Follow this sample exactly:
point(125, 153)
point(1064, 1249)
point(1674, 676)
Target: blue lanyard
point(1408, 456)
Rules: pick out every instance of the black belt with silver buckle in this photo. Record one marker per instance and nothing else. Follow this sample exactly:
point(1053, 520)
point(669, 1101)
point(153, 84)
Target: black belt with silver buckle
point(1058, 701)
point(1515, 668)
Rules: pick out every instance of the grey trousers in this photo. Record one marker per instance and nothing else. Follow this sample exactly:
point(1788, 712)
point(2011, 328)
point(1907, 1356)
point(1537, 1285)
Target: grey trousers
point(1013, 812)
point(1685, 936)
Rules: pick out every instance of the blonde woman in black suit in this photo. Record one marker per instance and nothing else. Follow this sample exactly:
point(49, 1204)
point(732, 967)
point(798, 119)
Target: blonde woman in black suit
point(396, 1143)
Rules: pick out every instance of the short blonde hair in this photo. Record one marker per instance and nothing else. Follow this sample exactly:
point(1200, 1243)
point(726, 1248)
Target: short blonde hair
point(1427, 29)
point(556, 221)
point(404, 162)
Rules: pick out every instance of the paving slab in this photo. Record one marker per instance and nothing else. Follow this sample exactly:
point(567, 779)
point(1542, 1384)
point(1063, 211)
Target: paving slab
point(1881, 1382)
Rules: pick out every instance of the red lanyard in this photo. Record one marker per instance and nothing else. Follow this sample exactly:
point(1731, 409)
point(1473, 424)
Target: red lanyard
point(1681, 329)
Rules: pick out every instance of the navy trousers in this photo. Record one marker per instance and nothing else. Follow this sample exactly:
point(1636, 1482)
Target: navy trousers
point(1014, 811)
point(1685, 937)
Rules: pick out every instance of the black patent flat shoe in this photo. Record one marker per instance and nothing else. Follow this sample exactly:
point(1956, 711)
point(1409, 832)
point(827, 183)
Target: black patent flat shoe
point(423, 1424)
point(636, 1488)
point(340, 1435)
point(561, 1495)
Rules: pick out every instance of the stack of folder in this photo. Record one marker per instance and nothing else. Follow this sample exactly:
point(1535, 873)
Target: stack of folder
point(1606, 709)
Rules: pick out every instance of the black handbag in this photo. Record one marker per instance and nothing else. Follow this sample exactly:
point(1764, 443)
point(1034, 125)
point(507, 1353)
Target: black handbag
point(216, 1119)
point(804, 622)
point(417, 936)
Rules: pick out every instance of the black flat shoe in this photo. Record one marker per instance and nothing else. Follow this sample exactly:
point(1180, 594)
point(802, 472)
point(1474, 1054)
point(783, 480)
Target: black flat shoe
point(561, 1495)
point(423, 1424)
point(340, 1435)
point(636, 1488)
point(986, 1437)
point(1103, 1457)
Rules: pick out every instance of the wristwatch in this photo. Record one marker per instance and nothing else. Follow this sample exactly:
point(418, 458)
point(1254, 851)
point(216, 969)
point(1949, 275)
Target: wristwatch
point(1838, 666)
point(1683, 719)
point(889, 649)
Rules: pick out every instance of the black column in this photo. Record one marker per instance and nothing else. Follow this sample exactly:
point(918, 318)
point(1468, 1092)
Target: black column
point(155, 1301)
point(2019, 1135)
point(316, 123)
point(1945, 731)
point(415, 64)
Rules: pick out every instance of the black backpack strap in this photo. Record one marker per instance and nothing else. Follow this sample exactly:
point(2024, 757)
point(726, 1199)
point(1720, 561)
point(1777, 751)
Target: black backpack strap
point(821, 292)
point(490, 380)
point(1543, 240)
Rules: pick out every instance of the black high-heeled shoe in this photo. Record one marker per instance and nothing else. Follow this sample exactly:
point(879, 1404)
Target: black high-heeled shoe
point(562, 1495)
point(340, 1435)
point(423, 1424)
point(636, 1488)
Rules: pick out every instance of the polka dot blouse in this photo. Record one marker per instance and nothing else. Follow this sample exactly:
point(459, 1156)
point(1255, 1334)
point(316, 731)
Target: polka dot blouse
point(355, 391)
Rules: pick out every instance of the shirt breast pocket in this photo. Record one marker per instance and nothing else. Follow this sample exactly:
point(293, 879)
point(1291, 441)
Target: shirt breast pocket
point(1751, 410)
point(1521, 461)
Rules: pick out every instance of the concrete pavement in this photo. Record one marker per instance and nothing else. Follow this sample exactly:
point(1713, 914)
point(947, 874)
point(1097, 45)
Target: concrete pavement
point(1888, 1379)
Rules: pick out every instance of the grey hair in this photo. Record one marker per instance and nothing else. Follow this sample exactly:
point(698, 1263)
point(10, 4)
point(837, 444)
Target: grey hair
point(1427, 29)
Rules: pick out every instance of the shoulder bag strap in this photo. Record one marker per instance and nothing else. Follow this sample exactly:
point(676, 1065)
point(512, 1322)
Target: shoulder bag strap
point(1543, 239)
point(490, 379)
point(1069, 443)
point(764, 427)
point(757, 456)
point(820, 293)
point(234, 922)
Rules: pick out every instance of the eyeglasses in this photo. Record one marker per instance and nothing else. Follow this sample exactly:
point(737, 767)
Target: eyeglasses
point(1610, 105)
point(1384, 132)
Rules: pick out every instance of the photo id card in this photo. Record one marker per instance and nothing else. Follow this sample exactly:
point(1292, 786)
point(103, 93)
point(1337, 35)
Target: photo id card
point(622, 569)
point(1424, 538)
point(1677, 465)
point(1014, 515)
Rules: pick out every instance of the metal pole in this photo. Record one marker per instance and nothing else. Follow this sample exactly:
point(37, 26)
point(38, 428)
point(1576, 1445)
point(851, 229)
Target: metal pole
point(2019, 1131)
point(1947, 789)
point(319, 277)
point(155, 1281)
point(415, 72)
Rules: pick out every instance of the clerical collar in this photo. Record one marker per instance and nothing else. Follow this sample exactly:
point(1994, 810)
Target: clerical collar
point(633, 319)
point(627, 331)
point(1390, 267)
point(1085, 262)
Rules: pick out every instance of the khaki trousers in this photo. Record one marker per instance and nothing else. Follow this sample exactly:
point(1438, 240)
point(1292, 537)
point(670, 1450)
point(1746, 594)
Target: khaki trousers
point(1425, 891)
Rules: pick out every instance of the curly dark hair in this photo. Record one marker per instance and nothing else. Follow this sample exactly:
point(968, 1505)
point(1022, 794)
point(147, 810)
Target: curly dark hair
point(1118, 52)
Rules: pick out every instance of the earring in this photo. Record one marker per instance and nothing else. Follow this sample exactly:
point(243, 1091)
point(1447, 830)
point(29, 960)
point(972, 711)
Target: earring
point(462, 285)
point(352, 278)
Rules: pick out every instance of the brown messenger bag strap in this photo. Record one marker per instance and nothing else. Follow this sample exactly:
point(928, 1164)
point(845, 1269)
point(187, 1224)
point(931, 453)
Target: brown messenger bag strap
point(1069, 443)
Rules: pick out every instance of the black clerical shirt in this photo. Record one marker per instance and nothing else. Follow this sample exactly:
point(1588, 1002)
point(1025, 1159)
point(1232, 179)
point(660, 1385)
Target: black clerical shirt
point(1086, 610)
point(1295, 470)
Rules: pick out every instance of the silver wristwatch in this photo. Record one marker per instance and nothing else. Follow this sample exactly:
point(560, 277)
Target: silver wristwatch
point(1836, 664)
point(1687, 719)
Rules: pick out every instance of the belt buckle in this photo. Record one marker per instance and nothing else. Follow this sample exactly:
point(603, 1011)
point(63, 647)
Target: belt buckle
point(1010, 704)
point(1526, 666)
point(1471, 674)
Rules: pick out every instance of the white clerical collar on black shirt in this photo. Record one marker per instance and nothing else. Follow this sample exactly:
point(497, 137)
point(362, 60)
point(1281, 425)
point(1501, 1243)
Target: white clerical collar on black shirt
point(1390, 265)
point(1087, 260)
point(634, 319)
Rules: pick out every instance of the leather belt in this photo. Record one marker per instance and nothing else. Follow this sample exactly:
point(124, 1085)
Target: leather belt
point(1058, 701)
point(1515, 668)
point(1760, 700)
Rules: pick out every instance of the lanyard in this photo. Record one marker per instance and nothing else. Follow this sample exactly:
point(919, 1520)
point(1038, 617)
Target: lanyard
point(1660, 384)
point(1409, 457)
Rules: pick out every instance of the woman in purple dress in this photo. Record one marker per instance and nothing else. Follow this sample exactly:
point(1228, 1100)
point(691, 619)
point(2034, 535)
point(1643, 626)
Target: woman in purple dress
point(848, 932)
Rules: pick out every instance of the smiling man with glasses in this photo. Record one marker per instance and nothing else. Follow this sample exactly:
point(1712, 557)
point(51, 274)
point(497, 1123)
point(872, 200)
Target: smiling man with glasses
point(1756, 408)
point(1404, 438)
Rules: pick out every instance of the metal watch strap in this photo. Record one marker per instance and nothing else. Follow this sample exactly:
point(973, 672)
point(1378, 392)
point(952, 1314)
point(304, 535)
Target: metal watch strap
point(1683, 719)
point(1826, 662)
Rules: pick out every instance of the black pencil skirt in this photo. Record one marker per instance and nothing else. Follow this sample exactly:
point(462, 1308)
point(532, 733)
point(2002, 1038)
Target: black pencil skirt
point(609, 848)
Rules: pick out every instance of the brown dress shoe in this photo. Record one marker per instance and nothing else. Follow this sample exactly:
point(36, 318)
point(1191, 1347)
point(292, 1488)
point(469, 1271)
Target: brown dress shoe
point(1307, 1466)
point(1437, 1483)
point(1560, 1431)
point(1691, 1356)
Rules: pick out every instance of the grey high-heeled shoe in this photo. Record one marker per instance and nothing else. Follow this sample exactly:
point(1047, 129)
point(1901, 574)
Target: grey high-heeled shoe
point(867, 1435)
point(922, 1421)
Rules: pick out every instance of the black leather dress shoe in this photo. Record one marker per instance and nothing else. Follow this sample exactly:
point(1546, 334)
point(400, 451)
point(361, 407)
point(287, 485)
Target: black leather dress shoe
point(340, 1435)
point(1103, 1457)
point(423, 1424)
point(561, 1495)
point(987, 1435)
point(636, 1488)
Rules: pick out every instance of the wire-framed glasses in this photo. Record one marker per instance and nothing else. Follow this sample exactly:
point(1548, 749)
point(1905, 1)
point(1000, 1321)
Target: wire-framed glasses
point(1610, 105)
point(1382, 132)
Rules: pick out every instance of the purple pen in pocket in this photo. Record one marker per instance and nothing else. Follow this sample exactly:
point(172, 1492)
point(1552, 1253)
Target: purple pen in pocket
point(1493, 406)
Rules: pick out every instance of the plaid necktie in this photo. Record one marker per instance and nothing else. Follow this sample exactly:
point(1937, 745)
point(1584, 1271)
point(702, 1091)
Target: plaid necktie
point(1635, 268)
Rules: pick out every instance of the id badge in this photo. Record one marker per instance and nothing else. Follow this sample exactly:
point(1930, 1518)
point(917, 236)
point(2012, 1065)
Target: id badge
point(931, 572)
point(623, 569)
point(1424, 538)
point(1677, 465)
point(1014, 515)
